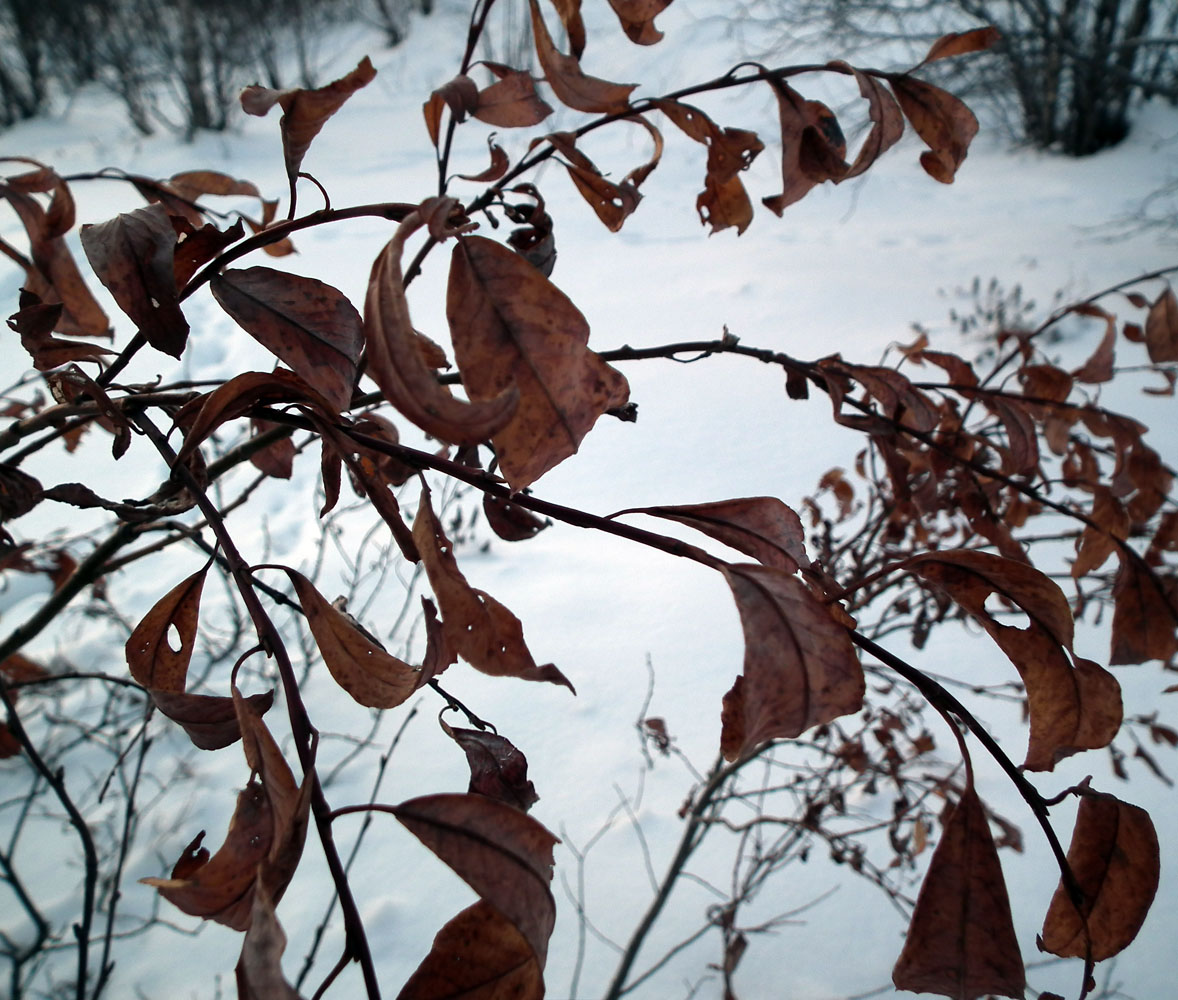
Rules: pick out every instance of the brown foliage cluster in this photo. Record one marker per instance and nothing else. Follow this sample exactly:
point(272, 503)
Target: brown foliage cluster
point(957, 468)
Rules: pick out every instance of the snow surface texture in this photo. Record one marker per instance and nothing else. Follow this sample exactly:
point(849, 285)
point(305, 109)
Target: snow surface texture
point(846, 270)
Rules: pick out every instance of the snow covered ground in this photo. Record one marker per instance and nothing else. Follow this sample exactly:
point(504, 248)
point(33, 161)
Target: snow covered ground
point(848, 270)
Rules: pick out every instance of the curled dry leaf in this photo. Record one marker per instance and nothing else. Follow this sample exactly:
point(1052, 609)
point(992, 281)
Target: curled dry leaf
point(305, 322)
point(19, 492)
point(478, 955)
point(512, 101)
point(941, 120)
point(887, 122)
point(958, 43)
point(1099, 367)
point(765, 528)
point(513, 330)
point(1161, 328)
point(460, 95)
point(572, 87)
point(1144, 615)
point(35, 321)
point(612, 203)
point(259, 969)
point(1115, 860)
point(1072, 707)
point(637, 19)
point(475, 625)
point(372, 676)
point(812, 146)
point(209, 720)
point(501, 853)
point(961, 941)
point(133, 256)
point(800, 668)
point(305, 112)
point(277, 458)
point(497, 769)
point(199, 246)
point(395, 361)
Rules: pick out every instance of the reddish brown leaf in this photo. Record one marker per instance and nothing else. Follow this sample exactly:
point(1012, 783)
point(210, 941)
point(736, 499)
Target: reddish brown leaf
point(501, 853)
point(396, 364)
point(959, 43)
point(800, 669)
point(479, 955)
point(513, 330)
point(637, 19)
point(305, 112)
point(368, 673)
point(19, 492)
point(209, 720)
point(277, 458)
point(1099, 367)
point(308, 324)
point(1021, 455)
point(1144, 619)
point(132, 255)
point(887, 123)
point(1161, 328)
point(199, 246)
point(1045, 382)
point(34, 321)
point(221, 889)
point(1114, 858)
point(204, 414)
point(812, 144)
point(569, 12)
point(1098, 543)
point(762, 527)
point(475, 625)
point(512, 101)
point(1071, 708)
point(510, 521)
point(941, 120)
point(151, 658)
point(498, 167)
point(259, 968)
point(497, 769)
point(378, 465)
point(572, 87)
point(961, 941)
point(899, 400)
point(460, 95)
point(612, 203)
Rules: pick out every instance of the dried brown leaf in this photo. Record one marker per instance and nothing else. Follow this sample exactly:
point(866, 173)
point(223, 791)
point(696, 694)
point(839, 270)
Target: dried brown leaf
point(1114, 858)
point(151, 658)
point(475, 625)
point(305, 322)
point(961, 941)
point(460, 95)
point(637, 19)
point(209, 720)
point(1144, 618)
point(941, 120)
point(514, 331)
point(812, 146)
point(572, 87)
point(133, 256)
point(259, 968)
point(762, 527)
point(478, 955)
point(1099, 367)
point(959, 43)
point(510, 521)
point(501, 853)
point(512, 101)
point(372, 676)
point(396, 364)
point(887, 122)
point(800, 668)
point(497, 769)
point(1161, 328)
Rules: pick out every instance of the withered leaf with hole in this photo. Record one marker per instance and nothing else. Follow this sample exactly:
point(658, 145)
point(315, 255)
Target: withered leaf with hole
point(1115, 859)
point(762, 527)
point(943, 121)
point(961, 941)
point(572, 87)
point(514, 330)
point(133, 256)
point(372, 676)
point(305, 112)
point(478, 955)
point(475, 625)
point(511, 101)
point(396, 364)
point(1072, 707)
point(150, 656)
point(305, 322)
point(612, 203)
point(800, 668)
point(199, 246)
point(501, 853)
point(497, 769)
